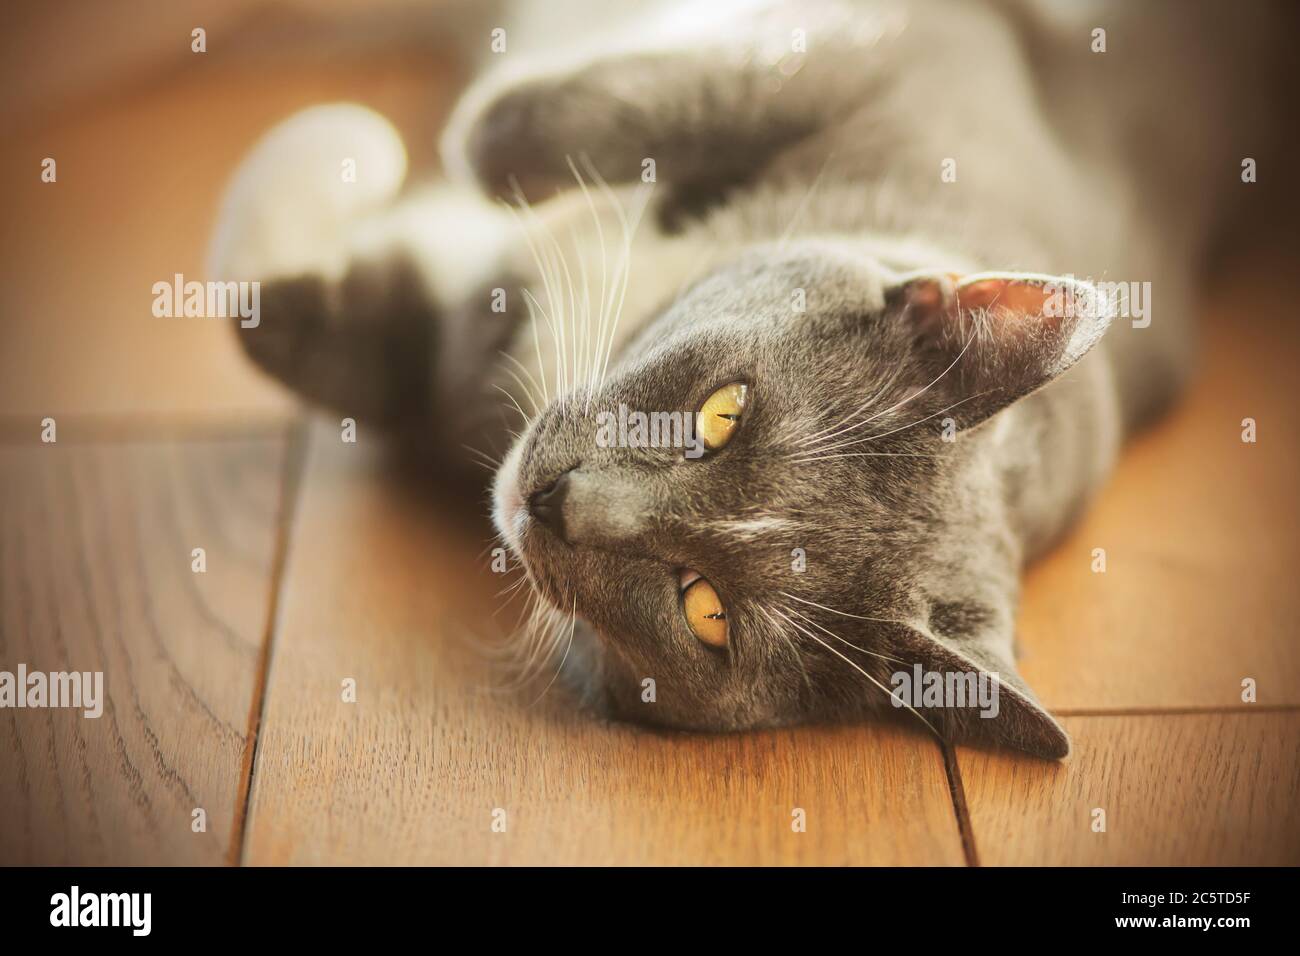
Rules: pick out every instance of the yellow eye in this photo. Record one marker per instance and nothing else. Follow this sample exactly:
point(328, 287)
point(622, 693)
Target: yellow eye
point(705, 615)
point(719, 416)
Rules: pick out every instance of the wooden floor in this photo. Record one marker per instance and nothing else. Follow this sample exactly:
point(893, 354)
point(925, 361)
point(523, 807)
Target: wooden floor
point(224, 688)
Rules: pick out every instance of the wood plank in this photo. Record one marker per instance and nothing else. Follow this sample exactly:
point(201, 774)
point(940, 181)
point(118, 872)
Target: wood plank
point(139, 179)
point(1199, 533)
point(1177, 789)
point(95, 575)
point(391, 592)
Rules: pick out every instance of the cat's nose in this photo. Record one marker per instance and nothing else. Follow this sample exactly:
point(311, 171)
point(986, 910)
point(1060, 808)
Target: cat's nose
point(547, 505)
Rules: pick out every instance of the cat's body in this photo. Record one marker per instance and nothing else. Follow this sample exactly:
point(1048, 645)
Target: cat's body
point(828, 177)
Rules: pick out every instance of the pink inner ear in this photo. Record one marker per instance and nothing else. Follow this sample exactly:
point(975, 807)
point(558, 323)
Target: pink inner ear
point(1022, 298)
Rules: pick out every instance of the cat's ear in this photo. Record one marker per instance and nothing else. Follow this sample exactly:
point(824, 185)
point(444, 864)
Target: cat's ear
point(993, 337)
point(983, 697)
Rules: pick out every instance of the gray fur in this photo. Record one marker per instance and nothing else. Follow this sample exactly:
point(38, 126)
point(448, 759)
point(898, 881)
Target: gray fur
point(816, 174)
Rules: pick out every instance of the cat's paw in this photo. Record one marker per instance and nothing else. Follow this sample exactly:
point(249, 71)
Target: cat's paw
point(524, 135)
point(289, 206)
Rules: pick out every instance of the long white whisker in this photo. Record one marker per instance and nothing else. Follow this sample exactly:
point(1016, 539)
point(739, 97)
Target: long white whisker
point(550, 285)
point(573, 625)
point(859, 669)
point(803, 203)
point(600, 239)
point(566, 313)
point(862, 650)
point(794, 649)
point(874, 397)
point(831, 610)
point(911, 397)
point(535, 395)
point(857, 441)
point(513, 401)
point(482, 458)
point(541, 638)
point(532, 314)
point(585, 324)
point(621, 278)
point(533, 308)
point(863, 454)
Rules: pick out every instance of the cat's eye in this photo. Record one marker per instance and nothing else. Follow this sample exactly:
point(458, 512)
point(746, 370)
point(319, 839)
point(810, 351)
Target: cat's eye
point(720, 415)
point(705, 615)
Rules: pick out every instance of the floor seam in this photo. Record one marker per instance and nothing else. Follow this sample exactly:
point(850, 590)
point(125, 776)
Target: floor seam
point(17, 431)
point(1175, 711)
point(295, 463)
point(958, 794)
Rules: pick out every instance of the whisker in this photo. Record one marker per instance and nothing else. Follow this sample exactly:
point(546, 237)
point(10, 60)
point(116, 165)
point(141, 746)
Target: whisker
point(550, 275)
point(573, 625)
point(621, 277)
point(600, 240)
point(794, 649)
point(803, 203)
point(583, 339)
point(901, 428)
point(831, 610)
point(510, 594)
point(482, 458)
point(911, 397)
point(537, 398)
point(528, 299)
point(875, 396)
point(567, 313)
point(538, 640)
point(535, 307)
point(506, 393)
point(865, 454)
point(859, 669)
point(512, 587)
point(884, 657)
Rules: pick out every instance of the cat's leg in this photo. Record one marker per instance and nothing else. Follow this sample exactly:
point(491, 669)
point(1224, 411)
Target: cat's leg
point(372, 302)
point(709, 108)
point(773, 96)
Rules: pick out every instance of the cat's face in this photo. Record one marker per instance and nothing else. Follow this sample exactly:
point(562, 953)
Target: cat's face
point(771, 578)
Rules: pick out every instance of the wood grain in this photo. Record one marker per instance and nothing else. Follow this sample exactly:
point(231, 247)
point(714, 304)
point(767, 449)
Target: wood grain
point(184, 446)
point(390, 594)
point(1199, 531)
point(139, 179)
point(1177, 789)
point(95, 575)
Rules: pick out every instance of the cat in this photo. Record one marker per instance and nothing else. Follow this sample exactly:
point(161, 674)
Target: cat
point(849, 243)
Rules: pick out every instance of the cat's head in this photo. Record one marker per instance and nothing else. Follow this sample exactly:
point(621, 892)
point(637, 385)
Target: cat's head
point(824, 515)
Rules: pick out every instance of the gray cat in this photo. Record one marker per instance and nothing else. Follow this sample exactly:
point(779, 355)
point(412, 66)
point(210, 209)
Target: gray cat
point(859, 255)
